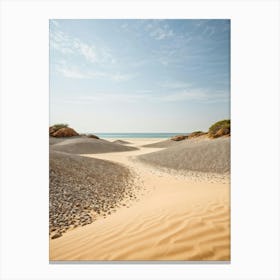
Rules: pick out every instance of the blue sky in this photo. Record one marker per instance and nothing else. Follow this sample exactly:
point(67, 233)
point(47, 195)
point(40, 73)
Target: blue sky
point(139, 75)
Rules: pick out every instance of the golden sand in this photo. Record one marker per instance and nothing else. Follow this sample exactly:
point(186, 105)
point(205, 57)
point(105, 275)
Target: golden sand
point(175, 218)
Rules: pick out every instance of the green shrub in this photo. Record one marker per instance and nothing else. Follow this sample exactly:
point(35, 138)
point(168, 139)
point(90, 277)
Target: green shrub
point(219, 128)
point(197, 134)
point(179, 137)
point(59, 126)
point(53, 129)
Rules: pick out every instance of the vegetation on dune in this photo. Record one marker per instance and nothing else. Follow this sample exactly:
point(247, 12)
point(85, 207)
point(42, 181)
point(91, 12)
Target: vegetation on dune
point(54, 128)
point(59, 126)
point(192, 135)
point(196, 134)
point(62, 130)
point(92, 136)
point(219, 129)
point(179, 137)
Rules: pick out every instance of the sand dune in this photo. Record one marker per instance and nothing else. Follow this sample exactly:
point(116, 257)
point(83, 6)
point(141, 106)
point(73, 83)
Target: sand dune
point(54, 140)
point(170, 143)
point(81, 189)
point(174, 218)
point(207, 155)
point(121, 142)
point(163, 144)
point(85, 145)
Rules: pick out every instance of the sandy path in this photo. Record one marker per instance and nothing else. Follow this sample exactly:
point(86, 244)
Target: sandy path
point(176, 219)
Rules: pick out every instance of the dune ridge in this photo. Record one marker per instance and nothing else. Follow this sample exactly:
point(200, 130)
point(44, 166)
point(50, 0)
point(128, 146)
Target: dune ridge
point(193, 155)
point(85, 145)
point(123, 142)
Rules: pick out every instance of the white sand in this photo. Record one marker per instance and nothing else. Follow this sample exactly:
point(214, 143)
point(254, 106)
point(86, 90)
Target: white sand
point(175, 218)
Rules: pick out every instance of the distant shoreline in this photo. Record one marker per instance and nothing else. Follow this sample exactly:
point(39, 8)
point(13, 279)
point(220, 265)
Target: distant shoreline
point(139, 135)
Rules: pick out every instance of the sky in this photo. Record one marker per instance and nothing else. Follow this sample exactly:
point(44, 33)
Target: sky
point(139, 75)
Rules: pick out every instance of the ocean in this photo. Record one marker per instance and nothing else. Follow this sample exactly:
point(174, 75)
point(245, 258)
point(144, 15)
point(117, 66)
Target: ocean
point(139, 135)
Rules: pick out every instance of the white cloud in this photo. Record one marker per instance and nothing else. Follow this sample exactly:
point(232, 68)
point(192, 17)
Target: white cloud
point(85, 50)
point(71, 73)
point(54, 22)
point(106, 97)
point(174, 85)
point(75, 72)
point(208, 31)
point(60, 42)
point(105, 55)
point(121, 77)
point(68, 45)
point(124, 26)
point(144, 91)
point(160, 33)
point(140, 62)
point(158, 30)
point(201, 22)
point(186, 95)
point(195, 95)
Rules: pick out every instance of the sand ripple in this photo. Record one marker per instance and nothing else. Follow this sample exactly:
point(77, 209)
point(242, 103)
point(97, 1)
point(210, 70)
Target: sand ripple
point(175, 219)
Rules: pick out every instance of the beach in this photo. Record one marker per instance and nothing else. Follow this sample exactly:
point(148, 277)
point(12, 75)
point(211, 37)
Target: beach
point(169, 214)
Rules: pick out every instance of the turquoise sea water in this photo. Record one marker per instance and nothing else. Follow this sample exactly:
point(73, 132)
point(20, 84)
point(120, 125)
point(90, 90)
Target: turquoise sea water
point(139, 135)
